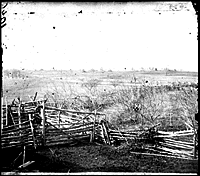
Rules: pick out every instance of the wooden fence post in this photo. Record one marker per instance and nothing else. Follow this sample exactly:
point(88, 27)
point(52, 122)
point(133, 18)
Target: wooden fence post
point(1, 114)
point(107, 139)
point(59, 116)
point(43, 122)
point(59, 119)
point(32, 130)
point(19, 118)
point(93, 131)
point(6, 111)
point(24, 153)
point(19, 115)
point(194, 139)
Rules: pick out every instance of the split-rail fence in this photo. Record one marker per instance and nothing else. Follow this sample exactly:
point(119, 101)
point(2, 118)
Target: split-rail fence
point(37, 123)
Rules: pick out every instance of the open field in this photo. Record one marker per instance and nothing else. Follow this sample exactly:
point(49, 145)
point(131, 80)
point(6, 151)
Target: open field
point(42, 81)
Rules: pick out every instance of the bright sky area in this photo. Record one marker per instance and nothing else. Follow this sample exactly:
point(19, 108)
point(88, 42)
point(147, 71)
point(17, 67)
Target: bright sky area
point(131, 36)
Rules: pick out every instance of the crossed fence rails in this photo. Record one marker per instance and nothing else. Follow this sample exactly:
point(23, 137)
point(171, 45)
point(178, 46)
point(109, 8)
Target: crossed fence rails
point(34, 124)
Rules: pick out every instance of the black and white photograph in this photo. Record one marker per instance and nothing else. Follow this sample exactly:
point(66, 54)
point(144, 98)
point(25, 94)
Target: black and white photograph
point(99, 88)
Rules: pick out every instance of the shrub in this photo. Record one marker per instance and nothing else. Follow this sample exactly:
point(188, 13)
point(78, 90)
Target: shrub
point(185, 105)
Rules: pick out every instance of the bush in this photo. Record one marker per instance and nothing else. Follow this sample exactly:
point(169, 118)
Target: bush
point(185, 105)
point(91, 85)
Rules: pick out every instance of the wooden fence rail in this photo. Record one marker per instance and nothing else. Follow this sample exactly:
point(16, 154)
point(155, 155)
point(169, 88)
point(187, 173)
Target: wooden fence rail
point(61, 126)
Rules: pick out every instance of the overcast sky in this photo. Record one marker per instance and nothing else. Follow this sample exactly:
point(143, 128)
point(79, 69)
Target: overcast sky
point(109, 36)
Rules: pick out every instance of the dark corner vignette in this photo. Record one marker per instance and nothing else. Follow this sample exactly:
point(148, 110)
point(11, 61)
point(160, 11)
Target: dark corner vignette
point(3, 19)
point(195, 6)
point(3, 24)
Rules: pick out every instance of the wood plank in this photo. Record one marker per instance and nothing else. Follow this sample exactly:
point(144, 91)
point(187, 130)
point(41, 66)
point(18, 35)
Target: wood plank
point(181, 142)
point(75, 126)
point(154, 149)
point(29, 143)
point(64, 117)
point(16, 125)
point(26, 164)
point(29, 106)
point(123, 138)
point(177, 149)
point(81, 130)
point(11, 143)
point(180, 152)
point(70, 111)
point(125, 135)
point(176, 132)
point(51, 115)
point(173, 135)
point(24, 139)
point(37, 102)
point(184, 131)
point(151, 154)
point(15, 137)
point(7, 132)
point(69, 131)
point(186, 147)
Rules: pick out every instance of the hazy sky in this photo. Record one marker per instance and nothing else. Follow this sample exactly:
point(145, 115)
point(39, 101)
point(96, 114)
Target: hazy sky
point(109, 36)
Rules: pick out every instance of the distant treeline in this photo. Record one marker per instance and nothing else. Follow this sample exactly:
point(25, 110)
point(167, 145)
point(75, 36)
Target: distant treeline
point(179, 86)
point(14, 73)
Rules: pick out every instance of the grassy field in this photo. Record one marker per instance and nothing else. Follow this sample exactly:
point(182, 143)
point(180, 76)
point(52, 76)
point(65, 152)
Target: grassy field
point(43, 81)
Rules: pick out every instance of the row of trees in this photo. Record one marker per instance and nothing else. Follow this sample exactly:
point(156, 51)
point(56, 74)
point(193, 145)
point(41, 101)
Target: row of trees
point(14, 73)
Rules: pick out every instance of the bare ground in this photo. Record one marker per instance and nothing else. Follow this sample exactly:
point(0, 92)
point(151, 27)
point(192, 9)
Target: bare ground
point(101, 158)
